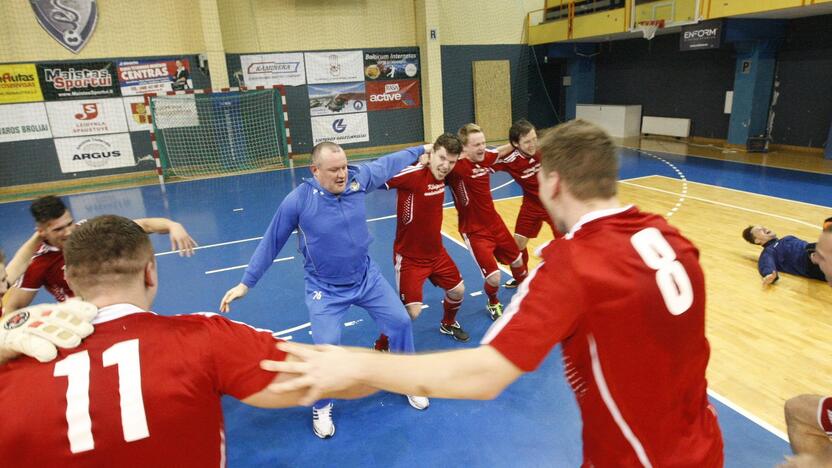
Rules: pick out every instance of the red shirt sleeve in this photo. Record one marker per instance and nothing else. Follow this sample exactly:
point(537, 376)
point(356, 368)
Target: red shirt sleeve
point(406, 179)
point(236, 350)
point(35, 275)
point(543, 312)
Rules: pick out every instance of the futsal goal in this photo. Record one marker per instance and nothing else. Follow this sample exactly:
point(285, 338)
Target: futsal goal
point(197, 133)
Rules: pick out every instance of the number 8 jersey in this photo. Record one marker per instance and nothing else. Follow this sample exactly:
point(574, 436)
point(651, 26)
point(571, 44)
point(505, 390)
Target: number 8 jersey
point(142, 390)
point(625, 294)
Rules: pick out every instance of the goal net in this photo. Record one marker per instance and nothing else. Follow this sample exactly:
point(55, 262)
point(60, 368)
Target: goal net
point(205, 134)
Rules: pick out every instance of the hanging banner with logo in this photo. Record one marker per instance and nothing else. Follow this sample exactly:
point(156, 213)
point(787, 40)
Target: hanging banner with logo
point(338, 98)
point(19, 83)
point(400, 94)
point(154, 76)
point(391, 65)
point(20, 122)
point(705, 35)
point(86, 117)
point(273, 69)
point(341, 129)
point(78, 80)
point(95, 153)
point(334, 67)
point(71, 23)
point(137, 112)
point(175, 111)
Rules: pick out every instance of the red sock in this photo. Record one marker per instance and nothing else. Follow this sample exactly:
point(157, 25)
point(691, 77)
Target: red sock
point(451, 308)
point(526, 258)
point(491, 292)
point(382, 344)
point(519, 273)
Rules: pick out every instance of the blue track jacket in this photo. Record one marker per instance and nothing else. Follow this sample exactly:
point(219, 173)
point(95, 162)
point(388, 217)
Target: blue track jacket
point(332, 229)
point(788, 255)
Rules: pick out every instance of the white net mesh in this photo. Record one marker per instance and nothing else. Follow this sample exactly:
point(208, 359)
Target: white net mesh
point(219, 133)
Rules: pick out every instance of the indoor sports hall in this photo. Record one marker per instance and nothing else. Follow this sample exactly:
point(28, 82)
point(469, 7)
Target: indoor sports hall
point(721, 111)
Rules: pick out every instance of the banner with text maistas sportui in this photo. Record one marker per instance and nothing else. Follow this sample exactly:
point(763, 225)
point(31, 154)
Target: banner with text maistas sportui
point(78, 80)
point(154, 76)
point(396, 94)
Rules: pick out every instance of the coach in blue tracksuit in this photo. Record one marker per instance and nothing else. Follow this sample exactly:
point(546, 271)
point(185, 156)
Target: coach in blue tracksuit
point(788, 254)
point(329, 214)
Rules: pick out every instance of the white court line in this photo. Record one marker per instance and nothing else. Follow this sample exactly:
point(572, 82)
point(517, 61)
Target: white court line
point(238, 267)
point(716, 396)
point(171, 252)
point(290, 330)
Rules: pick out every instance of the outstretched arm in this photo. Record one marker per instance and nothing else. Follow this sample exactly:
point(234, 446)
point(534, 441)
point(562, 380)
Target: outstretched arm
point(375, 174)
point(767, 267)
point(180, 240)
point(18, 264)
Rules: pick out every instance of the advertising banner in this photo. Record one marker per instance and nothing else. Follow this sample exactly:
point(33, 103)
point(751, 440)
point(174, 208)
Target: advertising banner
point(94, 153)
point(341, 129)
point(273, 69)
point(176, 112)
point(334, 67)
point(19, 83)
point(20, 122)
point(137, 113)
point(401, 94)
point(86, 117)
point(338, 98)
point(154, 76)
point(391, 65)
point(82, 80)
point(705, 35)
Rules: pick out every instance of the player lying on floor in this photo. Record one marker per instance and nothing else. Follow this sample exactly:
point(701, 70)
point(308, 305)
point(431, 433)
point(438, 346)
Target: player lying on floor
point(787, 254)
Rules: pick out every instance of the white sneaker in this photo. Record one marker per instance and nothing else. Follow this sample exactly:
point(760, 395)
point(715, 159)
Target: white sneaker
point(418, 402)
point(322, 423)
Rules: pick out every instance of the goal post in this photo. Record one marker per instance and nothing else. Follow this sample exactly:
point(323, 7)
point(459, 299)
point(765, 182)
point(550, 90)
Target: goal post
point(198, 133)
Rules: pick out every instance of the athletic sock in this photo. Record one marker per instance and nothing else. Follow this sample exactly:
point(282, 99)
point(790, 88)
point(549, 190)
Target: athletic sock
point(451, 307)
point(491, 292)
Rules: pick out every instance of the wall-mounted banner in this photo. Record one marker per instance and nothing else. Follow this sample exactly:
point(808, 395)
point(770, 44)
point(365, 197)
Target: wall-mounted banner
point(337, 98)
point(137, 112)
point(154, 76)
point(78, 80)
point(19, 83)
point(20, 122)
point(86, 117)
point(273, 69)
point(401, 94)
point(705, 35)
point(70, 22)
point(95, 153)
point(334, 67)
point(341, 129)
point(175, 112)
point(391, 65)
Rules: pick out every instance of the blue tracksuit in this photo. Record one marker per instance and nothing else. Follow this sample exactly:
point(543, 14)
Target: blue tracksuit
point(789, 255)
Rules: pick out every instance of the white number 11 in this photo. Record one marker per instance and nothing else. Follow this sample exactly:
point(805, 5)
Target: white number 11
point(671, 277)
point(76, 367)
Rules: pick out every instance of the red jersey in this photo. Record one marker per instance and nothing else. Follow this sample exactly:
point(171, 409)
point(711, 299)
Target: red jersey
point(470, 183)
point(143, 390)
point(625, 294)
point(419, 212)
point(47, 270)
point(523, 169)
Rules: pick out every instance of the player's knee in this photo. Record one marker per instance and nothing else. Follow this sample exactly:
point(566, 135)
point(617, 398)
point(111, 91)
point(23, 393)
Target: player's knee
point(457, 293)
point(414, 310)
point(801, 409)
point(493, 279)
point(521, 241)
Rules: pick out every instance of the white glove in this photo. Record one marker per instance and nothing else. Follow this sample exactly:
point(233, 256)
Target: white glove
point(36, 331)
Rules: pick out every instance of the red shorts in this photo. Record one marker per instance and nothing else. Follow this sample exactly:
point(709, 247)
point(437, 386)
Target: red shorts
point(486, 244)
point(825, 415)
point(411, 274)
point(531, 218)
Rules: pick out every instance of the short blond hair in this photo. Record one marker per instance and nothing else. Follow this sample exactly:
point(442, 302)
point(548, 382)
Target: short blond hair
point(467, 130)
point(584, 157)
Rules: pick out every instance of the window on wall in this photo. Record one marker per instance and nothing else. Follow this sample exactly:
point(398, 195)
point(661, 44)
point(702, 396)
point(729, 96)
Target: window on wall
point(557, 9)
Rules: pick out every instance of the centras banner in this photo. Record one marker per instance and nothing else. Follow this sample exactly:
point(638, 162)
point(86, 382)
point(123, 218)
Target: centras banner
point(154, 76)
point(20, 122)
point(19, 83)
point(391, 65)
point(341, 129)
point(78, 80)
point(334, 67)
point(705, 35)
point(87, 117)
point(273, 69)
point(95, 153)
point(401, 94)
point(338, 98)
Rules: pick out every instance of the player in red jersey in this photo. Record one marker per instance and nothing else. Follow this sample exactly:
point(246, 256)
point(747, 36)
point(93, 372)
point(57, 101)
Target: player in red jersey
point(54, 224)
point(418, 253)
point(143, 390)
point(622, 291)
point(522, 164)
point(484, 231)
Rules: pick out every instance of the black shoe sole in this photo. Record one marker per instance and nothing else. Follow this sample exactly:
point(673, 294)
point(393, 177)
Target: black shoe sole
point(452, 335)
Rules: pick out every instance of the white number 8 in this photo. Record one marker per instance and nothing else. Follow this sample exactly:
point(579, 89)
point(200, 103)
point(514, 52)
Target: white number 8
point(671, 277)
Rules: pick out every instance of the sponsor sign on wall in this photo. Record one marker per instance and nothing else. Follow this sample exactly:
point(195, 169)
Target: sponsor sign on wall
point(137, 113)
point(94, 153)
point(78, 80)
point(19, 83)
point(341, 129)
point(175, 112)
point(400, 94)
point(86, 117)
point(154, 76)
point(273, 69)
point(20, 122)
point(334, 67)
point(391, 65)
point(705, 35)
point(337, 98)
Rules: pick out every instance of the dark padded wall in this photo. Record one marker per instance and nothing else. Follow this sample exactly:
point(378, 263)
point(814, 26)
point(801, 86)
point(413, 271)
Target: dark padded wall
point(667, 82)
point(803, 112)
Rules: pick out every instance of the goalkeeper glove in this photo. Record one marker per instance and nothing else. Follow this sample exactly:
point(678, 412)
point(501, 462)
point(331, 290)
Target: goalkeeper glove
point(37, 331)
